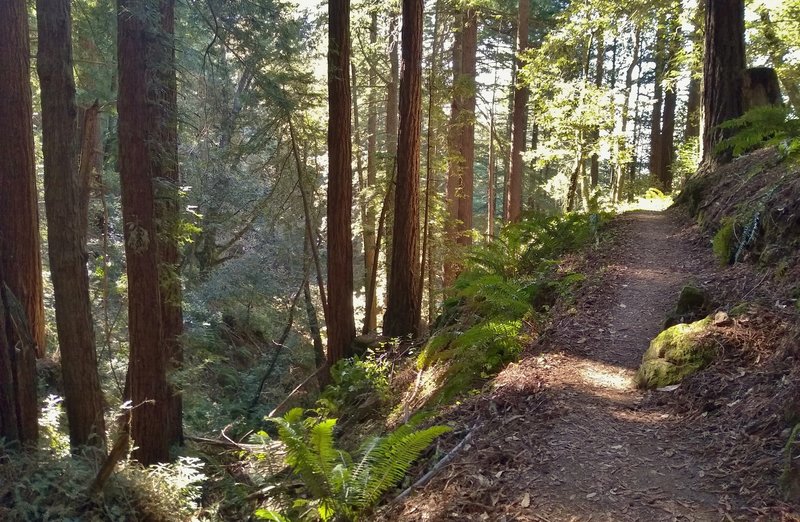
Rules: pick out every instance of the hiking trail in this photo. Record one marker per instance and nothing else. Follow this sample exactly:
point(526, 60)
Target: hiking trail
point(570, 437)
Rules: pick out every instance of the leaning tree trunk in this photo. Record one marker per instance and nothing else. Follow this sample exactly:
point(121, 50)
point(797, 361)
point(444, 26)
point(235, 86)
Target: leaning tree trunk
point(341, 325)
point(401, 310)
point(138, 131)
point(64, 194)
point(20, 261)
point(722, 73)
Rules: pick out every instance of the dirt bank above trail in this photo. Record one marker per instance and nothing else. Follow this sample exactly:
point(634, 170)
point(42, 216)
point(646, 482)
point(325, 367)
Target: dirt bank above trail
point(565, 435)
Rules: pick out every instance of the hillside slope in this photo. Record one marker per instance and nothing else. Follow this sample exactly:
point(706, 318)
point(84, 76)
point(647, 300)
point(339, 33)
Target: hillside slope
point(565, 435)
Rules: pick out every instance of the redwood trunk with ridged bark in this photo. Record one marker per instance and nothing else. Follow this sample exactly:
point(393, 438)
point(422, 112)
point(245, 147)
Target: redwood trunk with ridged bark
point(723, 72)
point(403, 301)
point(64, 193)
point(138, 131)
point(514, 194)
point(167, 181)
point(20, 259)
point(341, 325)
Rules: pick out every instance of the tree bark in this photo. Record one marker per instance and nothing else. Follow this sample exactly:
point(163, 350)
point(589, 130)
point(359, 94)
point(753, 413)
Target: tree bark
point(667, 144)
point(658, 102)
point(167, 182)
point(392, 103)
point(341, 325)
point(514, 206)
point(429, 170)
point(371, 315)
point(695, 76)
point(401, 311)
point(138, 131)
point(723, 72)
point(20, 259)
point(65, 226)
point(594, 171)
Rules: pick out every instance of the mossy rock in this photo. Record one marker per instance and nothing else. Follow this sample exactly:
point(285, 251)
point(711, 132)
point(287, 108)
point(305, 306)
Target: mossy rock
point(675, 353)
point(724, 242)
point(693, 303)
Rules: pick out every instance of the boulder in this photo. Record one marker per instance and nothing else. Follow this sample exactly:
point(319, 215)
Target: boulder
point(693, 303)
point(675, 353)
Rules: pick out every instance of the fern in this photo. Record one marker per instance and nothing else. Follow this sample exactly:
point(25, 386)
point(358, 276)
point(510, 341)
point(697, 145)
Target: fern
point(386, 462)
point(341, 488)
point(762, 127)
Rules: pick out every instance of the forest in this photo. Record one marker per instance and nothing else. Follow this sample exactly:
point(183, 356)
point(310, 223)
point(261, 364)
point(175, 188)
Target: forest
point(399, 260)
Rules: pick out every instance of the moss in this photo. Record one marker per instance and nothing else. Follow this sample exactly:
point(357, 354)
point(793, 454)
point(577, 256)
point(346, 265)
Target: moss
point(677, 352)
point(740, 309)
point(724, 242)
point(693, 303)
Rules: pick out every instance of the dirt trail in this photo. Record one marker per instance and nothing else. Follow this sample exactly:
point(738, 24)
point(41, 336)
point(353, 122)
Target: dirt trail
point(572, 439)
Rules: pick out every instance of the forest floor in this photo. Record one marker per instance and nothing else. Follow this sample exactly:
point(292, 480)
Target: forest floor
point(564, 435)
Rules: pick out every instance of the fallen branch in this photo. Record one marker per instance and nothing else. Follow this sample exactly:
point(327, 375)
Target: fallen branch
point(437, 468)
point(297, 388)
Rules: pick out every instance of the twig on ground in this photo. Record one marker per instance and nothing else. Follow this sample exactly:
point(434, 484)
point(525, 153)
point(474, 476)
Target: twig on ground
point(437, 468)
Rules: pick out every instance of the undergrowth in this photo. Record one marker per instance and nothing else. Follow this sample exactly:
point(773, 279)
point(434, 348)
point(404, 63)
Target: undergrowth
point(337, 485)
point(507, 284)
point(763, 127)
point(37, 485)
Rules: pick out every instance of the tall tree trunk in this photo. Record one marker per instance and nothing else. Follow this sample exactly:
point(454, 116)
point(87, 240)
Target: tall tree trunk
point(371, 315)
point(167, 182)
point(594, 172)
point(626, 105)
point(429, 170)
point(667, 145)
point(722, 73)
point(693, 109)
point(658, 102)
point(341, 324)
point(514, 206)
point(65, 226)
point(695, 76)
point(461, 171)
point(139, 129)
point(469, 53)
point(20, 259)
point(392, 103)
point(491, 201)
point(401, 309)
point(455, 162)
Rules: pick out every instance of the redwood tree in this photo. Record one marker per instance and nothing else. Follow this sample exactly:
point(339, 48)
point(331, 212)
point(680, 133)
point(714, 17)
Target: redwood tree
point(514, 194)
point(21, 307)
point(341, 325)
point(63, 191)
point(138, 162)
point(403, 301)
point(723, 71)
point(167, 180)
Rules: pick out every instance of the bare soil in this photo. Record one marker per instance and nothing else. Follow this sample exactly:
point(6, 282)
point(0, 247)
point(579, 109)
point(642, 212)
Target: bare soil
point(565, 436)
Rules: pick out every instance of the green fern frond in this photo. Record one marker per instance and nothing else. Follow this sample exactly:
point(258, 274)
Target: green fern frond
point(762, 127)
point(302, 456)
point(387, 461)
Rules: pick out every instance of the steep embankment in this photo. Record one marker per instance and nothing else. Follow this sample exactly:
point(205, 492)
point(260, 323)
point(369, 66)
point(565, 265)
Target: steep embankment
point(565, 435)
